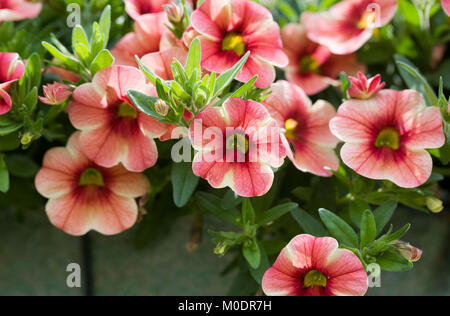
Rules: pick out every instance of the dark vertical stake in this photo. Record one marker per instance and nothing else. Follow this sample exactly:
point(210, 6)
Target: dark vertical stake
point(88, 278)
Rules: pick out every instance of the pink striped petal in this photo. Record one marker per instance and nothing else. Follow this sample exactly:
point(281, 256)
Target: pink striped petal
point(276, 283)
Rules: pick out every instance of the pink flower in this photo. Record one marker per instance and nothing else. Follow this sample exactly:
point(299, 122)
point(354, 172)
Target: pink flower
point(446, 6)
point(112, 130)
point(148, 31)
point(15, 10)
point(229, 29)
point(238, 145)
point(137, 8)
point(386, 136)
point(306, 126)
point(363, 88)
point(64, 74)
point(84, 196)
point(348, 24)
point(312, 266)
point(312, 66)
point(11, 70)
point(55, 93)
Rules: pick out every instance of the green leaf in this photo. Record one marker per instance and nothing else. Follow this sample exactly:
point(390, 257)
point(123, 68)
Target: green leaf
point(4, 175)
point(356, 210)
point(338, 228)
point(184, 183)
point(67, 60)
point(21, 166)
point(105, 23)
point(392, 261)
point(414, 79)
point(248, 213)
point(6, 130)
point(79, 37)
point(104, 59)
point(194, 58)
point(368, 228)
point(383, 215)
point(144, 103)
point(9, 142)
point(276, 212)
point(212, 204)
point(308, 223)
point(225, 78)
point(264, 265)
point(345, 84)
point(252, 253)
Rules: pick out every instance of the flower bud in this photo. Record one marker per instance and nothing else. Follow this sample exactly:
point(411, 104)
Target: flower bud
point(410, 253)
point(56, 93)
point(26, 138)
point(161, 107)
point(434, 204)
point(363, 88)
point(221, 248)
point(175, 13)
point(201, 97)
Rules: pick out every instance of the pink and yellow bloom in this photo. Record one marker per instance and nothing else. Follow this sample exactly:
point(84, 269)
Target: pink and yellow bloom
point(363, 88)
point(386, 136)
point(311, 144)
point(16, 10)
point(55, 93)
point(238, 145)
point(84, 196)
point(446, 6)
point(11, 70)
point(349, 24)
point(229, 29)
point(113, 131)
point(312, 66)
point(312, 266)
point(137, 8)
point(146, 38)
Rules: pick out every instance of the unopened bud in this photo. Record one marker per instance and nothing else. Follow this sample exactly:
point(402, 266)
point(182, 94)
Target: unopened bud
point(201, 96)
point(410, 253)
point(175, 13)
point(26, 138)
point(434, 204)
point(221, 248)
point(161, 107)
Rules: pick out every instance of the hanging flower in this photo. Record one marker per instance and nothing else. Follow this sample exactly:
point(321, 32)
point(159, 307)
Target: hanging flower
point(55, 93)
point(312, 266)
point(363, 88)
point(307, 128)
point(146, 38)
point(112, 130)
point(84, 196)
point(238, 145)
point(349, 24)
point(386, 136)
point(16, 10)
point(229, 29)
point(312, 66)
point(11, 70)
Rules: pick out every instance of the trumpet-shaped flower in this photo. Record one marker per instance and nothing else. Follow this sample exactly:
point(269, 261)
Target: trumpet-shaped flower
point(312, 266)
point(386, 136)
point(349, 24)
point(312, 66)
point(238, 145)
point(84, 196)
point(307, 128)
point(16, 10)
point(113, 131)
point(229, 29)
point(11, 70)
point(55, 93)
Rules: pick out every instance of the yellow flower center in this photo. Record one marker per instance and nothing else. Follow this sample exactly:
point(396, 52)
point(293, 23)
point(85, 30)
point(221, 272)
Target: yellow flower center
point(388, 137)
point(234, 42)
point(290, 126)
point(91, 176)
point(238, 142)
point(314, 278)
point(126, 110)
point(309, 64)
point(368, 19)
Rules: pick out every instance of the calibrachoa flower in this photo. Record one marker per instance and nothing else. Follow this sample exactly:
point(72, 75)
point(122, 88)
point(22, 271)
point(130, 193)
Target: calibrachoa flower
point(446, 6)
point(312, 266)
point(386, 136)
point(347, 25)
point(55, 93)
point(84, 196)
point(15, 10)
point(312, 66)
point(307, 128)
point(112, 130)
point(229, 29)
point(137, 8)
point(64, 74)
point(148, 31)
point(11, 70)
point(238, 145)
point(363, 88)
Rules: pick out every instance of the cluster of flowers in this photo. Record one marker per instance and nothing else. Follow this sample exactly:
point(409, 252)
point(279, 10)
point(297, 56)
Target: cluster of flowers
point(93, 183)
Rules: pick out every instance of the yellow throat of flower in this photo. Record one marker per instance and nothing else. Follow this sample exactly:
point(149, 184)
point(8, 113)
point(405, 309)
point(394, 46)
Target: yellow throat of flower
point(234, 42)
point(309, 64)
point(91, 176)
point(368, 20)
point(314, 278)
point(238, 142)
point(126, 110)
point(290, 125)
point(388, 137)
